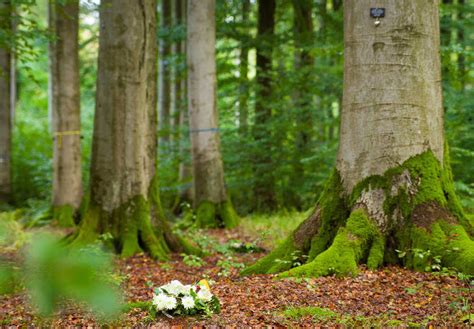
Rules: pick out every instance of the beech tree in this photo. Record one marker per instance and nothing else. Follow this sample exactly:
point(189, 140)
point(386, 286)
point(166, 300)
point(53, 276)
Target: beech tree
point(212, 203)
point(5, 105)
point(65, 109)
point(164, 97)
point(391, 191)
point(124, 195)
point(264, 180)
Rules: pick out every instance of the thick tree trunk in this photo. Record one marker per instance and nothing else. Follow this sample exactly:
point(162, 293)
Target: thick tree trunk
point(124, 186)
point(243, 70)
point(264, 181)
point(211, 201)
point(65, 109)
point(392, 187)
point(5, 109)
point(164, 97)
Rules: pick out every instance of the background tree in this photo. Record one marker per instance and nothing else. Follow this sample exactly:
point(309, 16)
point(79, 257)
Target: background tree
point(124, 195)
point(212, 203)
point(164, 96)
point(264, 182)
point(243, 73)
point(5, 104)
point(392, 188)
point(65, 109)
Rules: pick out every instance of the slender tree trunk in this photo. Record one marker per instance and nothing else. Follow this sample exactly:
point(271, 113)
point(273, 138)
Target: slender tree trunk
point(461, 57)
point(211, 200)
point(65, 109)
point(392, 187)
point(5, 108)
point(264, 181)
point(185, 168)
point(164, 97)
point(336, 5)
point(124, 194)
point(244, 68)
point(303, 96)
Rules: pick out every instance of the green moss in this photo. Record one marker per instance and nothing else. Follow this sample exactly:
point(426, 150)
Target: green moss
point(228, 214)
point(451, 242)
point(206, 215)
point(334, 213)
point(280, 259)
point(211, 215)
point(64, 215)
point(88, 231)
point(430, 180)
point(460, 251)
point(318, 313)
point(347, 250)
point(376, 252)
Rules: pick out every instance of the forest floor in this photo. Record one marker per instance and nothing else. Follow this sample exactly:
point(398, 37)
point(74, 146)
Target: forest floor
point(391, 296)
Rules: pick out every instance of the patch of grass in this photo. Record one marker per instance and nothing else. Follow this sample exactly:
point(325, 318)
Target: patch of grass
point(272, 229)
point(317, 313)
point(327, 316)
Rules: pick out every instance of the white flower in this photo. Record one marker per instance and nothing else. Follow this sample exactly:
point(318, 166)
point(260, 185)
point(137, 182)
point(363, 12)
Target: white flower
point(164, 302)
point(204, 294)
point(174, 288)
point(188, 302)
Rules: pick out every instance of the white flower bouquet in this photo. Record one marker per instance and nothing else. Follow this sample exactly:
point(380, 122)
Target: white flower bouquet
point(175, 298)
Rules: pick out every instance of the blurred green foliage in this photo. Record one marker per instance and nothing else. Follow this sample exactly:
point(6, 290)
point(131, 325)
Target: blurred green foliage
point(54, 274)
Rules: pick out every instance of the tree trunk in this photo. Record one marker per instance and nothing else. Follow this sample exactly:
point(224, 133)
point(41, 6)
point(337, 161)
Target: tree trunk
point(264, 181)
point(244, 68)
point(302, 97)
point(185, 169)
point(124, 194)
point(65, 109)
point(461, 58)
point(392, 187)
point(164, 97)
point(5, 108)
point(212, 204)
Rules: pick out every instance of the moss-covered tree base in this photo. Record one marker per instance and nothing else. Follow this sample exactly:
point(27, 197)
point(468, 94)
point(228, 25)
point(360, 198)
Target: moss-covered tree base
point(408, 215)
point(129, 231)
point(211, 215)
point(63, 216)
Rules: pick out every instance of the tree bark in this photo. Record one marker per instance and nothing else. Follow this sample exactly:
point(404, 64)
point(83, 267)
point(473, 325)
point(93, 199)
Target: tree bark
point(5, 108)
point(392, 187)
point(264, 181)
point(65, 109)
point(124, 194)
point(243, 70)
point(212, 204)
point(185, 168)
point(164, 97)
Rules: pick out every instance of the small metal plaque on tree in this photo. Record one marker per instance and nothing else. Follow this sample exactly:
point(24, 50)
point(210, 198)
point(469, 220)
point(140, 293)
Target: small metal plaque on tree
point(377, 12)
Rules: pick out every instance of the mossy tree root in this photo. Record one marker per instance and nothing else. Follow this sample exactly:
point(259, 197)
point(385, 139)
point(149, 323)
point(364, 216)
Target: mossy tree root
point(128, 229)
point(63, 216)
point(411, 208)
point(212, 215)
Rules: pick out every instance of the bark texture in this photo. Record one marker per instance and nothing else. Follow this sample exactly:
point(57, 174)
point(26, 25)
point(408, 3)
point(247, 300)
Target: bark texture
point(392, 187)
point(65, 109)
point(164, 97)
point(243, 70)
point(124, 195)
point(264, 182)
point(210, 194)
point(5, 109)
